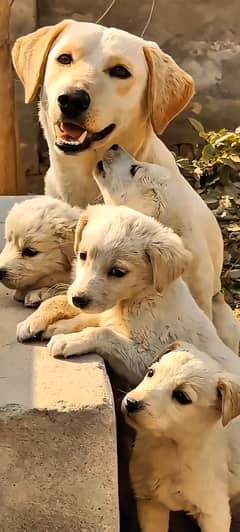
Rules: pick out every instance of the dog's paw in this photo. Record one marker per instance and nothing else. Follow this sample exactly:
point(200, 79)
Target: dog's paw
point(60, 345)
point(59, 327)
point(35, 297)
point(32, 327)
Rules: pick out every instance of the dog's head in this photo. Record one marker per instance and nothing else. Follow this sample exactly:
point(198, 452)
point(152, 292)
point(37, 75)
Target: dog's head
point(183, 394)
point(123, 180)
point(97, 83)
point(123, 255)
point(39, 243)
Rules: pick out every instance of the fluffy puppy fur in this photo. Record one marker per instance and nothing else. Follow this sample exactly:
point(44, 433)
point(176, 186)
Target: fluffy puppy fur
point(149, 189)
point(37, 257)
point(181, 413)
point(128, 284)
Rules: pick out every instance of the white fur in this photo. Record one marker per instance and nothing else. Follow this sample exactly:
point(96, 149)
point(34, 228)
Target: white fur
point(45, 225)
point(150, 189)
point(139, 312)
point(185, 457)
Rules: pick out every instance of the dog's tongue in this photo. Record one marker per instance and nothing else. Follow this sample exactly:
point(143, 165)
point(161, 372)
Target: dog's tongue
point(72, 131)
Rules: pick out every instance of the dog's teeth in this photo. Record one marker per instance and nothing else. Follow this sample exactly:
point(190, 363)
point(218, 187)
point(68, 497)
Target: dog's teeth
point(82, 137)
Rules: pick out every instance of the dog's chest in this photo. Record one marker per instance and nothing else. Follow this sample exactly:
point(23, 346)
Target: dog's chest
point(157, 474)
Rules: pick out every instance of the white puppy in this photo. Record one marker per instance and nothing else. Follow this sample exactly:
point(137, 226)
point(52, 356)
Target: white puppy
point(128, 269)
point(186, 454)
point(149, 189)
point(37, 257)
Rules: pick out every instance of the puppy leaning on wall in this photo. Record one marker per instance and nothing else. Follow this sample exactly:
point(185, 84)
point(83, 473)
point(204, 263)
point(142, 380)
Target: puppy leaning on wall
point(181, 413)
point(149, 189)
point(128, 299)
point(37, 257)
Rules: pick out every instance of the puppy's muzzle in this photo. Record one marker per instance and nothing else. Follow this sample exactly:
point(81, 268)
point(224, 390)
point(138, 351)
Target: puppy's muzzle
point(133, 406)
point(81, 301)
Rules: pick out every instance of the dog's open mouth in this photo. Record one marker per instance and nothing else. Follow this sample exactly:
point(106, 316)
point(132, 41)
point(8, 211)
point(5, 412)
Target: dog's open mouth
point(71, 137)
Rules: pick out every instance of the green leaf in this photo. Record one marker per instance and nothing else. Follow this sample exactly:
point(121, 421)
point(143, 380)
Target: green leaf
point(196, 125)
point(207, 153)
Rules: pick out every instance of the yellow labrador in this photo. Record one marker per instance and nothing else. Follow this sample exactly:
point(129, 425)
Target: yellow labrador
point(128, 298)
point(37, 257)
point(99, 86)
point(181, 412)
point(149, 188)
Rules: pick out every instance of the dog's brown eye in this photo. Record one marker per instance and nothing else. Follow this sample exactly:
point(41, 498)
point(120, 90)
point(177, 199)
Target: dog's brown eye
point(65, 59)
point(29, 252)
point(117, 272)
point(134, 168)
point(119, 71)
point(83, 255)
point(181, 397)
point(150, 372)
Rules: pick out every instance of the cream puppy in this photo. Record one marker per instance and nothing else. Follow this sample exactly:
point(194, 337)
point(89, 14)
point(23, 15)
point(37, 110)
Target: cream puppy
point(186, 454)
point(128, 293)
point(37, 257)
point(149, 189)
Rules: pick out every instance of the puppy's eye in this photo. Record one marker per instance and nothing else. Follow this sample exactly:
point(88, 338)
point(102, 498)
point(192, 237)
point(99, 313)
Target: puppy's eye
point(29, 252)
point(83, 255)
point(150, 372)
point(65, 59)
point(134, 168)
point(119, 71)
point(117, 272)
point(181, 397)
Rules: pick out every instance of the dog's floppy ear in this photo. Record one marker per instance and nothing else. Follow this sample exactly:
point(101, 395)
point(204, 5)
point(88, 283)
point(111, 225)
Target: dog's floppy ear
point(80, 226)
point(229, 393)
point(30, 54)
point(169, 87)
point(168, 258)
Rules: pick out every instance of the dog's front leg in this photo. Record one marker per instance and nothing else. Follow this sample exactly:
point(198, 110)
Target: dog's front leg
point(50, 311)
point(117, 350)
point(152, 517)
point(219, 520)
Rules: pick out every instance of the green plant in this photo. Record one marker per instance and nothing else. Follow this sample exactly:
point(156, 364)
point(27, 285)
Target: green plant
point(220, 156)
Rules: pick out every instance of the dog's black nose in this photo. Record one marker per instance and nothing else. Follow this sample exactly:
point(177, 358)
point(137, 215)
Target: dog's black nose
point(132, 405)
point(114, 147)
point(3, 273)
point(73, 103)
point(81, 301)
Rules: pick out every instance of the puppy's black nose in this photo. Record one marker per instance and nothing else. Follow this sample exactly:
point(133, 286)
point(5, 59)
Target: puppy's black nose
point(73, 103)
point(114, 147)
point(132, 405)
point(100, 167)
point(3, 273)
point(81, 301)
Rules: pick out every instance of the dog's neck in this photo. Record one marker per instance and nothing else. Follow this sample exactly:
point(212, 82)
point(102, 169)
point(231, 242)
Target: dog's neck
point(73, 173)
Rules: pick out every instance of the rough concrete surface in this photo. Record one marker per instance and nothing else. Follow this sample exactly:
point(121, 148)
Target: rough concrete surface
point(58, 459)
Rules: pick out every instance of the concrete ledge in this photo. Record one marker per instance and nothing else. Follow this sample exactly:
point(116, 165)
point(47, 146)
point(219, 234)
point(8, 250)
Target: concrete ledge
point(58, 460)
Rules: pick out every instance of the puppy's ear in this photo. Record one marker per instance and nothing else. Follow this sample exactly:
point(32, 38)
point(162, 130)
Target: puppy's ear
point(229, 394)
point(80, 226)
point(30, 54)
point(168, 258)
point(169, 87)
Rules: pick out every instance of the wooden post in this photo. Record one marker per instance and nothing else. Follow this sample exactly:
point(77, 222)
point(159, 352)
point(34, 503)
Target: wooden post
point(9, 158)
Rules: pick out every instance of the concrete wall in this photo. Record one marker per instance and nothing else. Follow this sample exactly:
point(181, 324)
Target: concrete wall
point(202, 35)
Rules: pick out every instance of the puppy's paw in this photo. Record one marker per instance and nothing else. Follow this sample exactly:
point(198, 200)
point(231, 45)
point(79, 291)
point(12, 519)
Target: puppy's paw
point(32, 327)
point(61, 345)
point(35, 297)
point(59, 327)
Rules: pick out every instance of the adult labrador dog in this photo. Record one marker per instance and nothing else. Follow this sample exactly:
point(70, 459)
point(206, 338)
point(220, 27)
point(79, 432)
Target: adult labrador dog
point(99, 86)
